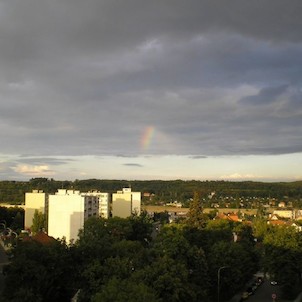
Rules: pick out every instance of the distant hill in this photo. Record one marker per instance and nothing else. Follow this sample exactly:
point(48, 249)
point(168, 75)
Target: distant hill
point(166, 191)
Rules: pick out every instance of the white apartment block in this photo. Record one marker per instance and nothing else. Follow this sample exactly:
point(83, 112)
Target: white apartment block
point(67, 211)
point(125, 203)
point(104, 203)
point(35, 200)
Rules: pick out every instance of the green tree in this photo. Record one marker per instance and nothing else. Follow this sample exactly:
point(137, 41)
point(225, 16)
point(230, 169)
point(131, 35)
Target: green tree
point(172, 245)
point(39, 222)
point(18, 221)
point(215, 231)
point(244, 233)
point(240, 266)
point(282, 258)
point(43, 272)
point(260, 228)
point(196, 218)
point(125, 290)
point(141, 228)
point(169, 279)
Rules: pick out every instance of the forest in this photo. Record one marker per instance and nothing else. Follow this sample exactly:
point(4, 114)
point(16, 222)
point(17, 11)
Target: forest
point(139, 259)
point(163, 191)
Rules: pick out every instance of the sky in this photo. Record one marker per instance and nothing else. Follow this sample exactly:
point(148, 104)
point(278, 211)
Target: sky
point(141, 90)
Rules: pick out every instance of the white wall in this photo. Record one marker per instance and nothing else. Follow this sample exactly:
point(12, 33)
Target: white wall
point(136, 203)
point(65, 215)
point(35, 200)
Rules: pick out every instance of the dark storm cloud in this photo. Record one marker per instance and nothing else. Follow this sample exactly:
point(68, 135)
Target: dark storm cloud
point(212, 78)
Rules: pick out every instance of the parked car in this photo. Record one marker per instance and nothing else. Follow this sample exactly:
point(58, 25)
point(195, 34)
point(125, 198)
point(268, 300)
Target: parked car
point(250, 290)
point(244, 296)
point(274, 282)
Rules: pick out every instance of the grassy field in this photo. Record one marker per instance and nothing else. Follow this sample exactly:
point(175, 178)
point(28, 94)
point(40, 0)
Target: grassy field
point(158, 209)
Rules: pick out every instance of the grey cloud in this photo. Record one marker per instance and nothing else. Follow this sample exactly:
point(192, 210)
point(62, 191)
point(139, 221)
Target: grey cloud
point(6, 170)
point(88, 78)
point(272, 150)
point(126, 156)
point(35, 33)
point(198, 157)
point(82, 26)
point(133, 165)
point(294, 106)
point(265, 96)
point(43, 161)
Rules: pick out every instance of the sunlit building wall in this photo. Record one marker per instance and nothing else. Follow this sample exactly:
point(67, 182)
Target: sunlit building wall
point(136, 202)
point(104, 205)
point(125, 203)
point(35, 200)
point(67, 211)
point(289, 214)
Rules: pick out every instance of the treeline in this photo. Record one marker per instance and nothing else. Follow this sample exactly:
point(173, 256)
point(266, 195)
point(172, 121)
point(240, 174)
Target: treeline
point(166, 191)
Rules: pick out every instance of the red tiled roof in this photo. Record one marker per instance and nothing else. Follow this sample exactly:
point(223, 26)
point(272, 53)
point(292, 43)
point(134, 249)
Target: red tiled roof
point(43, 238)
point(230, 216)
point(276, 222)
point(233, 217)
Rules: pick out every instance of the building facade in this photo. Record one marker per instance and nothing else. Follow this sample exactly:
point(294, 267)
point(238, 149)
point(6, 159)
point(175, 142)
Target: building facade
point(125, 203)
point(104, 203)
point(67, 211)
point(35, 200)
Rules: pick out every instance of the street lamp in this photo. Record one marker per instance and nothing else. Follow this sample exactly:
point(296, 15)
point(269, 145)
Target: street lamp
point(218, 281)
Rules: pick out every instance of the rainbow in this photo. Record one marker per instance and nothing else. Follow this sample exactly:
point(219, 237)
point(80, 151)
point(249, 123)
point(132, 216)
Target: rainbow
point(147, 137)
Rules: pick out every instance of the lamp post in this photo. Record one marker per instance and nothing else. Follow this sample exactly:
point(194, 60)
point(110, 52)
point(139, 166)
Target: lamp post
point(218, 281)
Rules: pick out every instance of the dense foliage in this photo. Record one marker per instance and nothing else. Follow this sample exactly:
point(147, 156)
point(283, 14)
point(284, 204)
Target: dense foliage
point(12, 217)
point(140, 259)
point(282, 256)
point(130, 259)
point(40, 272)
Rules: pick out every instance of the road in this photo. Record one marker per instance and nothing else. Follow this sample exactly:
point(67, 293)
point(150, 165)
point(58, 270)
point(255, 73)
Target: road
point(264, 293)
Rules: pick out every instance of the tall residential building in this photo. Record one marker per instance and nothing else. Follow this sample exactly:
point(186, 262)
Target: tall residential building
point(125, 203)
point(104, 203)
point(35, 200)
point(67, 211)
